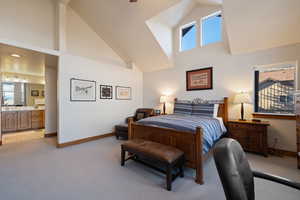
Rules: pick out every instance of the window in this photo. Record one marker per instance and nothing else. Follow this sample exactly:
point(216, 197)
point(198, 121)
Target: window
point(211, 29)
point(274, 90)
point(188, 37)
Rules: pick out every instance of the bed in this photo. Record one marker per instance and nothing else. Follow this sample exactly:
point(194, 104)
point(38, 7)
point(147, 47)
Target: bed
point(194, 135)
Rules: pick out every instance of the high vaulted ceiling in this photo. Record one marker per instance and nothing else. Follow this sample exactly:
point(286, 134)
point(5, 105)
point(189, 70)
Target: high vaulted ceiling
point(141, 32)
point(122, 25)
point(256, 25)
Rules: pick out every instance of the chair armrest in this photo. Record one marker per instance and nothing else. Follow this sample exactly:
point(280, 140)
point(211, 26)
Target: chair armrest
point(127, 119)
point(277, 179)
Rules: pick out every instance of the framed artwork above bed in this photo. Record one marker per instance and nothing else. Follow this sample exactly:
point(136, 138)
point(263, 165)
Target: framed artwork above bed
point(199, 79)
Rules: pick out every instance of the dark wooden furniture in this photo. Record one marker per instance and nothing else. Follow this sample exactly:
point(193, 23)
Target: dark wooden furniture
point(251, 135)
point(121, 130)
point(188, 142)
point(236, 174)
point(170, 158)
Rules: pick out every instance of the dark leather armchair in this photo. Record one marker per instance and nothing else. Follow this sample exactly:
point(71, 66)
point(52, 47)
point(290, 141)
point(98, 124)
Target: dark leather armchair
point(235, 173)
point(121, 130)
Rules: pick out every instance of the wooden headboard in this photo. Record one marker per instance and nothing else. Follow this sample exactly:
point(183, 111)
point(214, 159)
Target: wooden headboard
point(223, 107)
point(223, 110)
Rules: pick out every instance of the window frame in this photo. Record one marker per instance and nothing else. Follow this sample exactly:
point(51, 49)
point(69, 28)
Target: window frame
point(273, 115)
point(219, 12)
point(180, 35)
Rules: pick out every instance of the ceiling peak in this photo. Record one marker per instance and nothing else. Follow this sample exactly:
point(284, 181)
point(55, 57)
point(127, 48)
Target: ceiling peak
point(65, 2)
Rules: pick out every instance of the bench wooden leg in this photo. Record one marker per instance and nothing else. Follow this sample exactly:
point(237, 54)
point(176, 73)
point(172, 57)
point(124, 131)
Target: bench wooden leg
point(181, 171)
point(169, 177)
point(122, 157)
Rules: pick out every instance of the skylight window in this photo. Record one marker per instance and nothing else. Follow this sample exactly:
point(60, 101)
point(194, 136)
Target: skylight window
point(211, 29)
point(188, 37)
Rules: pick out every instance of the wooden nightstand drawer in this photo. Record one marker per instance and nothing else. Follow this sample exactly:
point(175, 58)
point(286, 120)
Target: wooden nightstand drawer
point(251, 135)
point(239, 135)
point(246, 126)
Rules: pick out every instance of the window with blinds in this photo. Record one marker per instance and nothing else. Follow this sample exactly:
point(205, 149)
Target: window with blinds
point(274, 89)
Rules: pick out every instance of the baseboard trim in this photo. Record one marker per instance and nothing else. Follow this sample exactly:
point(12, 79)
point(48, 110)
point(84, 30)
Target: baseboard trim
point(281, 153)
point(84, 140)
point(50, 135)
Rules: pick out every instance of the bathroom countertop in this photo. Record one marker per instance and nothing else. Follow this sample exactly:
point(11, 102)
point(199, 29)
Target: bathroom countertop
point(21, 108)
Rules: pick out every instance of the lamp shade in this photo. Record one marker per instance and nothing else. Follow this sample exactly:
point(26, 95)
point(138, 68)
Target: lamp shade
point(242, 97)
point(163, 99)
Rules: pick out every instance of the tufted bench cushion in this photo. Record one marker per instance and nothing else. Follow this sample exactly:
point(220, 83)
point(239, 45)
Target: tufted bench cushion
point(171, 157)
point(155, 150)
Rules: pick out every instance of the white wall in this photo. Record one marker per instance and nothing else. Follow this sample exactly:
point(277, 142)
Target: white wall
point(82, 41)
point(88, 57)
point(50, 100)
point(232, 73)
point(257, 25)
point(30, 22)
point(0, 103)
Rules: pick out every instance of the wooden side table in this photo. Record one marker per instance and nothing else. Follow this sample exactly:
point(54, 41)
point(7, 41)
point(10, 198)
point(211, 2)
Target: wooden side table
point(253, 136)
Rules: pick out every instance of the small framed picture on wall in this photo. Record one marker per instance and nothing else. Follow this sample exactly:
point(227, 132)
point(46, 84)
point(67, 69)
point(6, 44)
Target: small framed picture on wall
point(123, 93)
point(106, 92)
point(35, 93)
point(199, 79)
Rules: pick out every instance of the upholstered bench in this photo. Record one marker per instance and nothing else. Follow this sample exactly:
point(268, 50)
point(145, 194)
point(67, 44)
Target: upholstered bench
point(170, 158)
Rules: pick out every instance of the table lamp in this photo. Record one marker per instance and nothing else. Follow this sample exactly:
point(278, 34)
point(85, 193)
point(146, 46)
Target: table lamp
point(163, 100)
point(242, 98)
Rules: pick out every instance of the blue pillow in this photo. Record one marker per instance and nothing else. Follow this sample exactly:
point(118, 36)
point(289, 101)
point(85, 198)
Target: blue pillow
point(206, 110)
point(183, 108)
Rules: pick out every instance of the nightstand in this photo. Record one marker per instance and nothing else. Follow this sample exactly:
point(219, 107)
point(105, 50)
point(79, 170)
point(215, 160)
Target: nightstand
point(253, 136)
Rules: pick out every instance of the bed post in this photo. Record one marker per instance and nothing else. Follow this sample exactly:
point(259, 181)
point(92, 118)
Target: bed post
point(225, 118)
point(130, 121)
point(199, 155)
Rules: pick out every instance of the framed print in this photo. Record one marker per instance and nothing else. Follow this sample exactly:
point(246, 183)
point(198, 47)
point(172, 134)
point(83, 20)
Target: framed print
point(123, 93)
point(82, 90)
point(199, 79)
point(35, 93)
point(106, 92)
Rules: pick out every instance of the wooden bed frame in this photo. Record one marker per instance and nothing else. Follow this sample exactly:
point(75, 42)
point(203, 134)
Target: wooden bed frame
point(190, 143)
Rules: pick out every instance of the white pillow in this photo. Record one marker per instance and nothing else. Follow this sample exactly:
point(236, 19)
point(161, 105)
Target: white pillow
point(216, 109)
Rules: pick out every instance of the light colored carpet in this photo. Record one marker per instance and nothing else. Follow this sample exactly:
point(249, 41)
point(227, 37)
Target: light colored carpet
point(36, 170)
